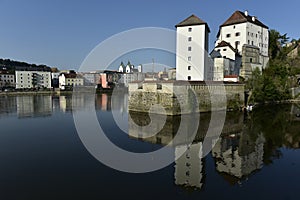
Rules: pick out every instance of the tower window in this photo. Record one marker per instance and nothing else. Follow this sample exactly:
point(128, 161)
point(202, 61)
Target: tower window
point(189, 48)
point(237, 34)
point(189, 78)
point(189, 67)
point(189, 58)
point(228, 35)
point(190, 39)
point(190, 29)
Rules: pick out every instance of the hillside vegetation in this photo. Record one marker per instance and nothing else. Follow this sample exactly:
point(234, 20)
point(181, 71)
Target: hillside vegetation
point(274, 82)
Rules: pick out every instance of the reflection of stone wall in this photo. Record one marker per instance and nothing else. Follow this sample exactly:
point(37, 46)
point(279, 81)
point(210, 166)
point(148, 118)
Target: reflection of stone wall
point(163, 129)
point(170, 95)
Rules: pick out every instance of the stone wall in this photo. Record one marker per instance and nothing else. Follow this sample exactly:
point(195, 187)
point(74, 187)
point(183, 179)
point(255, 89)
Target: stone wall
point(183, 97)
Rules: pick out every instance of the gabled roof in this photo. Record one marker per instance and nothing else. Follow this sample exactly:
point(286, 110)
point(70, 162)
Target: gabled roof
point(239, 17)
point(192, 20)
point(225, 44)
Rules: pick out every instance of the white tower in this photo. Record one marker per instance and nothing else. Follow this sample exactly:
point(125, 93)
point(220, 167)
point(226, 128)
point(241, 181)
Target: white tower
point(191, 50)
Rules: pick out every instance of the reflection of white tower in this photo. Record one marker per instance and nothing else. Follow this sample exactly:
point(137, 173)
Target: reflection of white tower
point(188, 168)
point(191, 50)
point(63, 103)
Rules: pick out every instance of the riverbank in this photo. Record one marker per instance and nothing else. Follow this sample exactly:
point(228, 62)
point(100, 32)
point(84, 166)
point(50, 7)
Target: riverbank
point(19, 93)
point(57, 92)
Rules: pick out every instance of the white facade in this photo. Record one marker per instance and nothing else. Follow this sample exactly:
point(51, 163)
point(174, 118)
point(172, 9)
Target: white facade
point(7, 80)
point(226, 52)
point(32, 79)
point(247, 30)
point(191, 50)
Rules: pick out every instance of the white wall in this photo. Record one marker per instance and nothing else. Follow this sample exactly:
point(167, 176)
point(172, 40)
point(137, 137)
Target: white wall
point(226, 52)
point(249, 32)
point(198, 53)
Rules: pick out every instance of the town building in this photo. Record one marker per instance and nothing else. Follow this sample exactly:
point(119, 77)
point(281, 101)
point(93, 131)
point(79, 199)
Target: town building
point(172, 74)
point(129, 68)
point(33, 79)
point(55, 79)
point(129, 73)
point(191, 50)
point(91, 78)
point(68, 81)
point(7, 80)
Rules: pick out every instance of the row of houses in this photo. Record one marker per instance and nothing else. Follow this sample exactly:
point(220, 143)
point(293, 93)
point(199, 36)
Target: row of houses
point(64, 80)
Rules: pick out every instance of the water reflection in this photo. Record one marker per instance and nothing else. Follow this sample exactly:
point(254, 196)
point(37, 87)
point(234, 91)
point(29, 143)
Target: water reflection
point(247, 142)
point(44, 105)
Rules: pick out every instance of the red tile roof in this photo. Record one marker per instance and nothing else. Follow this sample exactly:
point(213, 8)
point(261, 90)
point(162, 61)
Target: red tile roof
point(231, 76)
point(239, 17)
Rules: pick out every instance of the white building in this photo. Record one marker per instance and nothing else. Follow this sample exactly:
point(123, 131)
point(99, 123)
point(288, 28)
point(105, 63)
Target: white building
point(191, 50)
point(7, 80)
point(69, 81)
point(32, 79)
point(130, 73)
point(241, 29)
point(129, 68)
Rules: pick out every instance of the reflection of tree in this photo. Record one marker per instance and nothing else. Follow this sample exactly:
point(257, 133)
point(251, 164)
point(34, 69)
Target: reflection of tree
point(273, 122)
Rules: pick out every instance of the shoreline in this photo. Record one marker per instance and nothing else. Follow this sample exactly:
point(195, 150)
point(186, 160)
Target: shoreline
point(19, 93)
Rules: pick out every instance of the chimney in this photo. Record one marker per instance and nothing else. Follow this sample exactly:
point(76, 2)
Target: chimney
point(246, 13)
point(254, 18)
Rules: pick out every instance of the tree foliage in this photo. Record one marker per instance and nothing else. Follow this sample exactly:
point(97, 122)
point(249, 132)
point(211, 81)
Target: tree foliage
point(274, 82)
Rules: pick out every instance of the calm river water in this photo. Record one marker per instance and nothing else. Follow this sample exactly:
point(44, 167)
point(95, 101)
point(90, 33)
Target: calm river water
point(42, 156)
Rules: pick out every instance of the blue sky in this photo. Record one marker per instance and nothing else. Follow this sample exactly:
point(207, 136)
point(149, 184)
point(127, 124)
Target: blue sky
point(62, 33)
